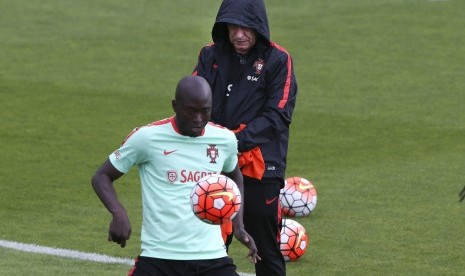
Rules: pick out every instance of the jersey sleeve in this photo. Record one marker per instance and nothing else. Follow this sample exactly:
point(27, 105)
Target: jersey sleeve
point(132, 152)
point(231, 161)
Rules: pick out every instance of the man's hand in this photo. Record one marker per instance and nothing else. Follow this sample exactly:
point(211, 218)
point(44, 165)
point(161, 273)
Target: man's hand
point(462, 194)
point(120, 228)
point(248, 241)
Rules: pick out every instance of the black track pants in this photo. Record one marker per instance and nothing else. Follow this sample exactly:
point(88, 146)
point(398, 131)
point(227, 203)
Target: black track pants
point(262, 220)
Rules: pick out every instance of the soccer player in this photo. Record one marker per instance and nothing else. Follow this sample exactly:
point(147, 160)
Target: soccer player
point(254, 93)
point(171, 156)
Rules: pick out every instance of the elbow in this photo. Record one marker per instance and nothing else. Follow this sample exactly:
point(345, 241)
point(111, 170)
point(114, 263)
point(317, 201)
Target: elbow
point(95, 180)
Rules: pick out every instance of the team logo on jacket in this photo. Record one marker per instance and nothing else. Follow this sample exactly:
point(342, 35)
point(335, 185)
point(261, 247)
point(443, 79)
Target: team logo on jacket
point(172, 175)
point(212, 152)
point(258, 66)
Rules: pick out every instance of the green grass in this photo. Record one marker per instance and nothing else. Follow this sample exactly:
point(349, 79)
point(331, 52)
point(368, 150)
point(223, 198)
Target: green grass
point(43, 265)
point(379, 125)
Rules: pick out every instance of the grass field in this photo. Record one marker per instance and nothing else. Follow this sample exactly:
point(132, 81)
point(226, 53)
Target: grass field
point(379, 126)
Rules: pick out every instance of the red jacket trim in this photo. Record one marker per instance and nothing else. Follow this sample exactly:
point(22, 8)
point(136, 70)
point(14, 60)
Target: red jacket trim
point(287, 85)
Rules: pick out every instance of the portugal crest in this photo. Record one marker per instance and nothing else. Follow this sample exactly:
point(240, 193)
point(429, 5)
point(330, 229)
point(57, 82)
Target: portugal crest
point(212, 152)
point(258, 66)
point(172, 175)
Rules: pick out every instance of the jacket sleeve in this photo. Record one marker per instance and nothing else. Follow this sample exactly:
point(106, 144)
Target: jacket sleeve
point(276, 114)
point(200, 68)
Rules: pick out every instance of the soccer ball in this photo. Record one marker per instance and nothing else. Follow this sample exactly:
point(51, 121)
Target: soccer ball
point(298, 197)
point(294, 240)
point(215, 199)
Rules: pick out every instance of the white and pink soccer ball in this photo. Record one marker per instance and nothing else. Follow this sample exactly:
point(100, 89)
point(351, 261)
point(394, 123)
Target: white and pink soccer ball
point(298, 197)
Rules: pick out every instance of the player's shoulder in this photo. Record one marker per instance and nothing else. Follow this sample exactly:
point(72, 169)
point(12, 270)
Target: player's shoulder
point(156, 125)
point(161, 122)
point(219, 129)
point(217, 126)
point(147, 130)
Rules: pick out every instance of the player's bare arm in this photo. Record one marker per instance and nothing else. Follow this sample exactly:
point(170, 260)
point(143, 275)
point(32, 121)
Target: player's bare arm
point(238, 223)
point(102, 182)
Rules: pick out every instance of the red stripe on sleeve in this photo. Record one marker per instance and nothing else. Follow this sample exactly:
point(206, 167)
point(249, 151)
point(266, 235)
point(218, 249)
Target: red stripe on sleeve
point(287, 85)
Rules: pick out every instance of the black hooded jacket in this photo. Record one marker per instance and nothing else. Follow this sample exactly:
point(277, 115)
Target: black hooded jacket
point(258, 89)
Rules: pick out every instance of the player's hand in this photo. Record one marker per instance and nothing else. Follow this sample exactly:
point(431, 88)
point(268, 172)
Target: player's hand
point(120, 229)
point(248, 241)
point(462, 194)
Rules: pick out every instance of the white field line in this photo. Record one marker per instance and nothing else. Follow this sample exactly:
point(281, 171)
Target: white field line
point(94, 257)
point(73, 254)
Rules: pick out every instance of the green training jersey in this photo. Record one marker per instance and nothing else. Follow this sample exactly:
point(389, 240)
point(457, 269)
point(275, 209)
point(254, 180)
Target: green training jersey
point(169, 166)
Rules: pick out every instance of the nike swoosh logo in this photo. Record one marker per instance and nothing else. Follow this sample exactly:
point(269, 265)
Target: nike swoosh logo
point(166, 152)
point(303, 186)
point(229, 194)
point(299, 238)
point(269, 201)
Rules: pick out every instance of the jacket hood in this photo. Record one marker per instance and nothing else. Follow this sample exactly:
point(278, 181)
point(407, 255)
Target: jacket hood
point(245, 13)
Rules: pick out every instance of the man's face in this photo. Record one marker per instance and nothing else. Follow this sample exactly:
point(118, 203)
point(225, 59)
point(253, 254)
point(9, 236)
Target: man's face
point(242, 38)
point(192, 116)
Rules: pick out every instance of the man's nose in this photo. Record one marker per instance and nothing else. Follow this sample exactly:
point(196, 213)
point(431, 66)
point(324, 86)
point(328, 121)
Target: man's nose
point(197, 117)
point(240, 32)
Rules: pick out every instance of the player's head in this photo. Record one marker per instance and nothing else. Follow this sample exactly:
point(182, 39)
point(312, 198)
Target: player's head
point(192, 105)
